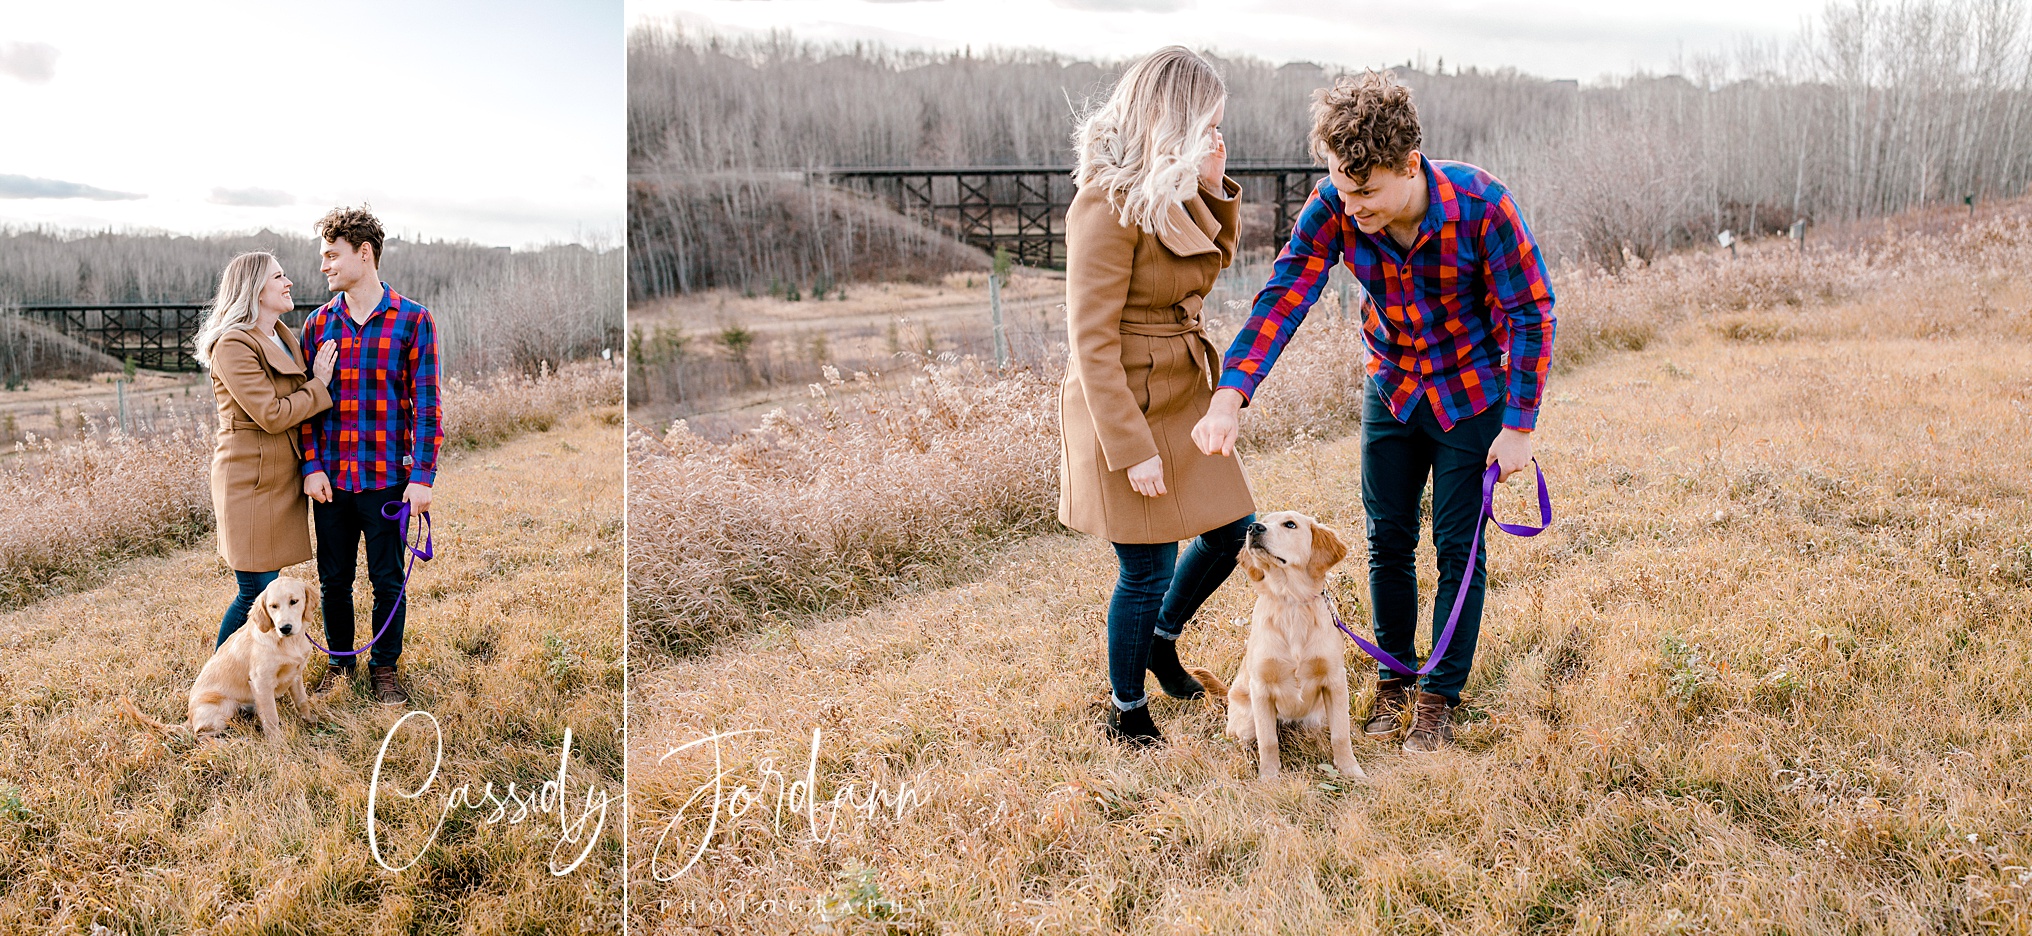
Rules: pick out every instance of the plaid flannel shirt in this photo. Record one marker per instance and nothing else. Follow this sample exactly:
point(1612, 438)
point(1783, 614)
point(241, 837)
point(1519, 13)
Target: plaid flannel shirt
point(1439, 318)
point(382, 429)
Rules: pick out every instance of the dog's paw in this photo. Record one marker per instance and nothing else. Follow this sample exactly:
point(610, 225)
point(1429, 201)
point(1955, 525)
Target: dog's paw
point(1347, 767)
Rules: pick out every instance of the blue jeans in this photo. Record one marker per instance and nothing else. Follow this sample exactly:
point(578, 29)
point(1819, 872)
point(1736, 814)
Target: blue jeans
point(251, 584)
point(1396, 460)
point(1156, 594)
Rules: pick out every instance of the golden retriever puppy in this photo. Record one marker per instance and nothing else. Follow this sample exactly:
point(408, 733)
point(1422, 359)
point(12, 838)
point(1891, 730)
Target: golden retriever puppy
point(255, 666)
point(1294, 669)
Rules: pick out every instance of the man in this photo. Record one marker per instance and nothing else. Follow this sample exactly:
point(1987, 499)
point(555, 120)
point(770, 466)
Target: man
point(1459, 330)
point(378, 443)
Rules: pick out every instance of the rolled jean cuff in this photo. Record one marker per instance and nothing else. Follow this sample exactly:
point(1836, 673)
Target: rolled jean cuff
point(1158, 632)
point(1122, 706)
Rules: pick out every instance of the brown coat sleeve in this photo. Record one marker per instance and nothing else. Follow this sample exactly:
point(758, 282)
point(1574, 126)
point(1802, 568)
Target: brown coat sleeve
point(1226, 206)
point(1099, 256)
point(238, 365)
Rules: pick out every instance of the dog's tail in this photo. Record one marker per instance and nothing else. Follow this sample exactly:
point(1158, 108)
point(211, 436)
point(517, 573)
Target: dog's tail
point(127, 705)
point(1214, 685)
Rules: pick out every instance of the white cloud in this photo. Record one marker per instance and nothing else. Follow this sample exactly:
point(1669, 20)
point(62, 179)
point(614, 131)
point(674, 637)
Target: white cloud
point(21, 186)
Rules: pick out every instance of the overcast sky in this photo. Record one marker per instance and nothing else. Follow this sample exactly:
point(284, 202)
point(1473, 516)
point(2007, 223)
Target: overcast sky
point(499, 122)
point(1581, 39)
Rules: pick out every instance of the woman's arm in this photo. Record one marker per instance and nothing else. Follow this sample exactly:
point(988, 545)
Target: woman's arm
point(1099, 256)
point(237, 363)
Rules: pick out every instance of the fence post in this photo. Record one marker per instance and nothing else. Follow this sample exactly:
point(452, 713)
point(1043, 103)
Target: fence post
point(995, 307)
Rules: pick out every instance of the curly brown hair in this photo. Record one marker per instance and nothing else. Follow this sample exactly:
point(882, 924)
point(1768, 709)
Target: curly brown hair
point(355, 226)
point(1365, 121)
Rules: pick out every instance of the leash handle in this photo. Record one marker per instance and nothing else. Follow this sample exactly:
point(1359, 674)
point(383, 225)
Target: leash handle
point(1488, 512)
point(399, 512)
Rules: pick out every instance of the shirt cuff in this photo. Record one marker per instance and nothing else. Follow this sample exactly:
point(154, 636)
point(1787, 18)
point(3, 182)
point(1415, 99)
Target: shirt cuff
point(1520, 419)
point(312, 466)
point(1241, 383)
point(422, 476)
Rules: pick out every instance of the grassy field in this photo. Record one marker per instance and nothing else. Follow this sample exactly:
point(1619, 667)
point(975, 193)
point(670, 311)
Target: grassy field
point(513, 639)
point(1768, 672)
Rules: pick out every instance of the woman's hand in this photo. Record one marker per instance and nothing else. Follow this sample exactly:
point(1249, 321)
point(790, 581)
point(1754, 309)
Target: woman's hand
point(327, 358)
point(1148, 477)
point(1216, 164)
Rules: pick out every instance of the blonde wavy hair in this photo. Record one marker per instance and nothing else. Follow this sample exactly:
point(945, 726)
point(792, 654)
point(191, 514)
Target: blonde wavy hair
point(237, 304)
point(1144, 146)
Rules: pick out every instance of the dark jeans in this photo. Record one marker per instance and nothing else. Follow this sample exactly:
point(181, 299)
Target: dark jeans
point(341, 525)
point(1396, 460)
point(251, 584)
point(1157, 593)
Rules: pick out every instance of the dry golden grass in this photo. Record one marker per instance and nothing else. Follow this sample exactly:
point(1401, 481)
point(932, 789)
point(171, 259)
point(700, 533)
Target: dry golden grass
point(85, 501)
point(513, 637)
point(1768, 672)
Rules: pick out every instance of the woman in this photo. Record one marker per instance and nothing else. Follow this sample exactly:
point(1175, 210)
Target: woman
point(263, 395)
point(1151, 226)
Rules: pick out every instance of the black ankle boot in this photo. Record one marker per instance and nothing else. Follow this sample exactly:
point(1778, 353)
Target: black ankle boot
point(1171, 674)
point(1132, 726)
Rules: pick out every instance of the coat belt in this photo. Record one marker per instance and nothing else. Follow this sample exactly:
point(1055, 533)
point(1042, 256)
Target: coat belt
point(1204, 354)
point(229, 424)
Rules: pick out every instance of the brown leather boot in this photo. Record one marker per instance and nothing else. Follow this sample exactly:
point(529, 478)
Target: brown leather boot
point(335, 680)
point(1386, 718)
point(387, 690)
point(1431, 724)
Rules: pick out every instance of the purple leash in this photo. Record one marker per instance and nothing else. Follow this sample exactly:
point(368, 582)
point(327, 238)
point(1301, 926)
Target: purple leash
point(1467, 574)
point(398, 512)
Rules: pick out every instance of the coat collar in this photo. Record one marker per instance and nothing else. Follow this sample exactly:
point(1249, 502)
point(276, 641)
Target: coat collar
point(279, 360)
point(1192, 227)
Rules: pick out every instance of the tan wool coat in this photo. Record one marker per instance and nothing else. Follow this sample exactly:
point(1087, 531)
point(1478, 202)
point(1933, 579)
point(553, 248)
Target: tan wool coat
point(1142, 370)
point(264, 392)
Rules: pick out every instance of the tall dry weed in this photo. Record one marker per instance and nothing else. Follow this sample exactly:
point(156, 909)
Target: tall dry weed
point(74, 505)
point(832, 505)
point(837, 503)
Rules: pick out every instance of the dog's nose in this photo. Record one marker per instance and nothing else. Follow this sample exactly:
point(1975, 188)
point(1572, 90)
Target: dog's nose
point(288, 629)
point(1256, 529)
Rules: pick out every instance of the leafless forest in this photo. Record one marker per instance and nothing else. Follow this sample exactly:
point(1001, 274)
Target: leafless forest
point(495, 308)
point(1873, 109)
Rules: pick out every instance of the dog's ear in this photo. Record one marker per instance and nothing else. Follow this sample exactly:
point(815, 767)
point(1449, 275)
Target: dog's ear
point(312, 600)
point(262, 621)
point(1327, 549)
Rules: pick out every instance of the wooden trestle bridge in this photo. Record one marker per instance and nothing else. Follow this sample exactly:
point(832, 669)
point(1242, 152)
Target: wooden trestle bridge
point(157, 335)
point(1022, 208)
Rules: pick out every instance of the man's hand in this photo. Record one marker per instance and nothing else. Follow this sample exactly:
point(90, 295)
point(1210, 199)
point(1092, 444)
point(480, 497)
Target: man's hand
point(1148, 477)
point(418, 496)
point(318, 487)
point(1216, 431)
point(1513, 449)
